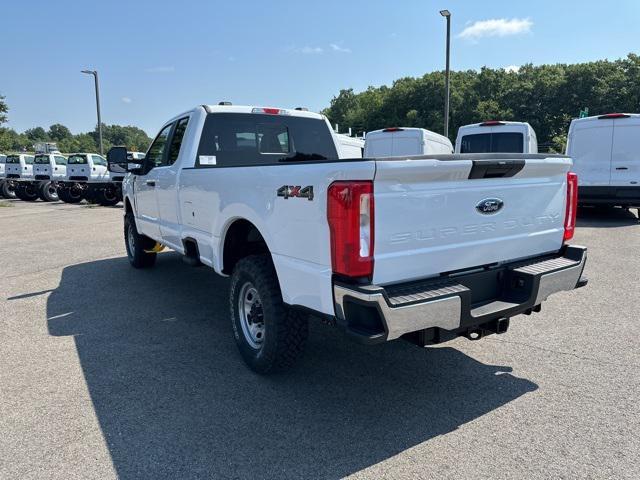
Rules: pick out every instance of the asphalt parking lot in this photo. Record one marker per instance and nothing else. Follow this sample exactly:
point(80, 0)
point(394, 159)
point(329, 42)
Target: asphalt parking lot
point(109, 372)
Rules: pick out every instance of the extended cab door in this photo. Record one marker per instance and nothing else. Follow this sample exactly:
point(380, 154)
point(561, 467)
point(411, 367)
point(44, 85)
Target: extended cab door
point(625, 152)
point(144, 186)
point(166, 188)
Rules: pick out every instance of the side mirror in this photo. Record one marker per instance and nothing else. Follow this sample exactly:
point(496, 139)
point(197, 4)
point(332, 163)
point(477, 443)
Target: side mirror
point(119, 161)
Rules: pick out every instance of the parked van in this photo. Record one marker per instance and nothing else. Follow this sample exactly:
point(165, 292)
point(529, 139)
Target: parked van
point(497, 137)
point(405, 141)
point(349, 147)
point(606, 156)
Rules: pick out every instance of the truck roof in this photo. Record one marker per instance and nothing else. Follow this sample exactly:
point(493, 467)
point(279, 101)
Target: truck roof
point(253, 108)
point(426, 132)
point(606, 116)
point(494, 123)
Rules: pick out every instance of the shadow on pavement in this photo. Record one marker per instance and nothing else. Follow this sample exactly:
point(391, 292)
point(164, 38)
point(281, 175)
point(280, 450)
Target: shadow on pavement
point(174, 400)
point(599, 217)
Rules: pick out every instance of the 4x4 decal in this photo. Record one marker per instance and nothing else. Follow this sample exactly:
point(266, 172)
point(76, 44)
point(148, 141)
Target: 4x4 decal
point(296, 191)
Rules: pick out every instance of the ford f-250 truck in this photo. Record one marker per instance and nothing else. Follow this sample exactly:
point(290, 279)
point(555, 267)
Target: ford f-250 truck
point(426, 248)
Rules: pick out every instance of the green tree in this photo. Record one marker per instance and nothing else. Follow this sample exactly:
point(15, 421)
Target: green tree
point(3, 110)
point(36, 134)
point(58, 133)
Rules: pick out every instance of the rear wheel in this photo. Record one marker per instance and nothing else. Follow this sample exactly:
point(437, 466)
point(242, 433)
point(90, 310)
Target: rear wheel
point(138, 245)
point(7, 190)
point(70, 194)
point(109, 196)
point(48, 192)
point(269, 335)
point(28, 192)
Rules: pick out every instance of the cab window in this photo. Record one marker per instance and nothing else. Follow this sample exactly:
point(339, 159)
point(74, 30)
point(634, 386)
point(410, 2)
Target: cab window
point(176, 140)
point(28, 159)
point(156, 155)
point(98, 160)
point(60, 160)
point(41, 159)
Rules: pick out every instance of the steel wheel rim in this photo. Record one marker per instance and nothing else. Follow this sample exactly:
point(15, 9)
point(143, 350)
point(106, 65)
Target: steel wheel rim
point(53, 191)
point(251, 316)
point(131, 240)
point(109, 195)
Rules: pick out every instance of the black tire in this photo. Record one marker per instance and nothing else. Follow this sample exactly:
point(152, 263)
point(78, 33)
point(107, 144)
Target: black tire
point(136, 244)
point(284, 330)
point(48, 192)
point(109, 196)
point(69, 195)
point(28, 193)
point(7, 190)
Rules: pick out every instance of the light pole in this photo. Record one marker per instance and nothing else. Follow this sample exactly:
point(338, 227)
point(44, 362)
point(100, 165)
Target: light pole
point(447, 15)
point(95, 77)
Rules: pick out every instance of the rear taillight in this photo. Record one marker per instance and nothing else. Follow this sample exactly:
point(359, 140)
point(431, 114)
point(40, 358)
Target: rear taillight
point(350, 214)
point(613, 116)
point(572, 206)
point(491, 123)
point(269, 111)
point(393, 129)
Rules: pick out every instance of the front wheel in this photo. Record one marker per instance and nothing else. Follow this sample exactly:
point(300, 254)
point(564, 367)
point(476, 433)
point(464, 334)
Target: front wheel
point(138, 245)
point(269, 335)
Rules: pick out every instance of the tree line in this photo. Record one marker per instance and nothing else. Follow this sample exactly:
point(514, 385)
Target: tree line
point(134, 138)
point(546, 96)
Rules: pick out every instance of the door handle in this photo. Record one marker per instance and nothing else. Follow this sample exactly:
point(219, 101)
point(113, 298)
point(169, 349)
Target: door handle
point(622, 168)
point(151, 183)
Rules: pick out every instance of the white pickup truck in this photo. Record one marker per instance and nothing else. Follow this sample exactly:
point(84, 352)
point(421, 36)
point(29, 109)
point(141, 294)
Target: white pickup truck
point(18, 172)
point(426, 248)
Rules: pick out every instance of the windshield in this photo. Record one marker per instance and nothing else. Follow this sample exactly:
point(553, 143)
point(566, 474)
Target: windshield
point(77, 160)
point(240, 139)
point(41, 159)
point(505, 142)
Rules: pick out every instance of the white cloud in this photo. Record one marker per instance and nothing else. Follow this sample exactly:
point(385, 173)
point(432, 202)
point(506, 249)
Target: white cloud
point(337, 48)
point(309, 50)
point(162, 69)
point(496, 27)
point(126, 100)
point(512, 68)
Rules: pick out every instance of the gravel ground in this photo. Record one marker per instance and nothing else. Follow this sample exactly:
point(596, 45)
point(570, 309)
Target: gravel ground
point(109, 372)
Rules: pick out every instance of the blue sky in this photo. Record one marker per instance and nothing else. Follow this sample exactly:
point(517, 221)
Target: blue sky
point(158, 58)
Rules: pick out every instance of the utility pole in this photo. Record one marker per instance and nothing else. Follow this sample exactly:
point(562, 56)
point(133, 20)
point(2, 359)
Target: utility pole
point(95, 77)
point(447, 15)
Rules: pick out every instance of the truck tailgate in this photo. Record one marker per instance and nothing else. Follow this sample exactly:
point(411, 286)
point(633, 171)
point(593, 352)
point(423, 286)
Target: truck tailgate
point(431, 217)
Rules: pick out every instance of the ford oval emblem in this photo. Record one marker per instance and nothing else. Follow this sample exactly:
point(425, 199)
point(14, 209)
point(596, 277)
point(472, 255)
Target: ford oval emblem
point(489, 206)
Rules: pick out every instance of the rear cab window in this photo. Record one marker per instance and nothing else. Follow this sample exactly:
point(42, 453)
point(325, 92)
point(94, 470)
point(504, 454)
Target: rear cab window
point(243, 139)
point(13, 159)
point(77, 160)
point(41, 159)
point(503, 142)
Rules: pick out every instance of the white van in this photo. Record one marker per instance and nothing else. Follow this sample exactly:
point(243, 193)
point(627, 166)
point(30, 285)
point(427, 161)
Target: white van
point(497, 137)
point(349, 147)
point(405, 141)
point(606, 157)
